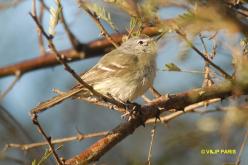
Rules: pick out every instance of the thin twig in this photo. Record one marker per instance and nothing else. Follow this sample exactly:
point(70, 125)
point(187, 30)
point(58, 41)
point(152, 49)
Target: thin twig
point(34, 116)
point(34, 7)
point(95, 101)
point(184, 71)
point(207, 77)
point(40, 37)
point(146, 99)
point(17, 77)
point(34, 12)
point(98, 23)
point(178, 101)
point(238, 160)
point(191, 108)
point(77, 137)
point(153, 132)
point(40, 26)
point(154, 92)
point(73, 39)
point(91, 49)
point(108, 105)
point(48, 139)
point(226, 75)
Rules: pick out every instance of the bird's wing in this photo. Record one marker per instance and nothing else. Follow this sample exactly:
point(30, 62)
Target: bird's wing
point(56, 100)
point(113, 64)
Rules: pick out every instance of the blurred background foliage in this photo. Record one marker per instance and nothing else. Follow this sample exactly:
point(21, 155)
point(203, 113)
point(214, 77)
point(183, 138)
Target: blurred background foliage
point(223, 26)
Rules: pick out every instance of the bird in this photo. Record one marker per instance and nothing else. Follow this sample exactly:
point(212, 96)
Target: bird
point(124, 73)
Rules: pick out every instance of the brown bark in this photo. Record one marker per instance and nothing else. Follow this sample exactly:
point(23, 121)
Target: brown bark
point(177, 101)
point(84, 51)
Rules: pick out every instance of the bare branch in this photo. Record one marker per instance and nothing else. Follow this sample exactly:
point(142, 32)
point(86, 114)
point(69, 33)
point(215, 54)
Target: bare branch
point(73, 39)
point(77, 137)
point(40, 37)
point(89, 50)
point(242, 148)
point(34, 116)
point(47, 138)
point(62, 60)
point(17, 77)
point(177, 101)
point(207, 77)
point(154, 91)
point(153, 132)
point(98, 23)
point(226, 75)
point(190, 108)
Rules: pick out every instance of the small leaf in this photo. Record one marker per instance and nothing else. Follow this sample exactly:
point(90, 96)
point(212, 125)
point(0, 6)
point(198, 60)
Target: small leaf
point(102, 14)
point(55, 16)
point(135, 26)
point(172, 67)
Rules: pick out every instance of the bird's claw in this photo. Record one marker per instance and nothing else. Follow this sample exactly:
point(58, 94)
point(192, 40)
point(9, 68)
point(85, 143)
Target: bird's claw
point(133, 110)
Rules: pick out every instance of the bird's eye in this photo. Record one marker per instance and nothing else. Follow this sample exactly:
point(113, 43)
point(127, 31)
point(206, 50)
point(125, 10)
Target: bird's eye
point(140, 42)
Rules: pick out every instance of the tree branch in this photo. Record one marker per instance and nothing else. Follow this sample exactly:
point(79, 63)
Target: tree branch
point(17, 77)
point(77, 137)
point(187, 109)
point(177, 101)
point(98, 23)
point(224, 73)
point(62, 59)
point(238, 160)
point(88, 50)
point(47, 138)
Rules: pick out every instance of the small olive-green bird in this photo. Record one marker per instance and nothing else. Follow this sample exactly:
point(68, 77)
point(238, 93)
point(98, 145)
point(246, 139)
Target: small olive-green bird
point(125, 73)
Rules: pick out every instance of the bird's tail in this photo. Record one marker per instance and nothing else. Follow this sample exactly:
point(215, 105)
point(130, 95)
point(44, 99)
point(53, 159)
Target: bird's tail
point(56, 100)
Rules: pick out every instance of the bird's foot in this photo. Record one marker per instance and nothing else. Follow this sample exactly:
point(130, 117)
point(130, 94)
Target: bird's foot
point(133, 110)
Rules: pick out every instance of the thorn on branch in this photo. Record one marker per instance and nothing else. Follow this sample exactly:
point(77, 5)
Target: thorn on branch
point(35, 121)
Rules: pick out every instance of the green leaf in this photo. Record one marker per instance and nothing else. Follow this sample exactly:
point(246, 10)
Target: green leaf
point(102, 14)
point(135, 26)
point(55, 16)
point(172, 67)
